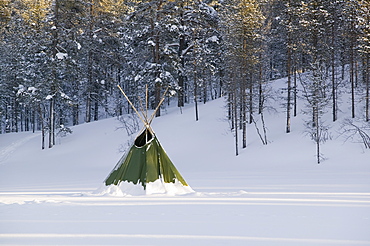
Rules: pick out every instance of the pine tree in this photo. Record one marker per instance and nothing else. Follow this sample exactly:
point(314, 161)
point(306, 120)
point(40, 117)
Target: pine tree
point(350, 12)
point(364, 51)
point(314, 18)
point(242, 37)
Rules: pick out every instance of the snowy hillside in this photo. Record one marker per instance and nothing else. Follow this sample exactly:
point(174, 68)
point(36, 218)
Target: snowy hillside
point(268, 195)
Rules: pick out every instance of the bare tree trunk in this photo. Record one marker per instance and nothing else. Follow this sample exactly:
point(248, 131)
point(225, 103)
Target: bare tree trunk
point(33, 121)
point(367, 88)
point(6, 128)
point(356, 73)
point(96, 110)
point(54, 77)
point(351, 78)
point(316, 124)
point(250, 98)
point(334, 87)
point(88, 107)
point(51, 122)
point(15, 115)
point(333, 82)
point(243, 113)
point(295, 92)
point(196, 94)
point(260, 89)
point(41, 117)
point(205, 88)
point(180, 102)
point(317, 144)
point(230, 109)
point(289, 58)
point(157, 96)
point(21, 117)
point(236, 122)
point(264, 128)
point(221, 84)
point(89, 66)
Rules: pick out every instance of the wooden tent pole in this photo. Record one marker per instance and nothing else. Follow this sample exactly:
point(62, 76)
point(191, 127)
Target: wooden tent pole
point(145, 120)
point(146, 101)
point(137, 112)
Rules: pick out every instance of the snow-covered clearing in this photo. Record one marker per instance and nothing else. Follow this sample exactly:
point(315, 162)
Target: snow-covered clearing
point(268, 195)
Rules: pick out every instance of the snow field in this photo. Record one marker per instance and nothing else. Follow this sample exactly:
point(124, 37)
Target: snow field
point(267, 196)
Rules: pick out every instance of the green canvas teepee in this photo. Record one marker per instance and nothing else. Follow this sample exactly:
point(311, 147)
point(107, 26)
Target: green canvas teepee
point(147, 162)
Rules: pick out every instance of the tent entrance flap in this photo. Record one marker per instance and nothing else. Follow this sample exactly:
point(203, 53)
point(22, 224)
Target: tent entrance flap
point(143, 138)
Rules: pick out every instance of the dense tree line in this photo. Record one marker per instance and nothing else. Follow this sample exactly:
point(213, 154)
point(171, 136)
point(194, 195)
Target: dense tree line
point(60, 60)
point(314, 44)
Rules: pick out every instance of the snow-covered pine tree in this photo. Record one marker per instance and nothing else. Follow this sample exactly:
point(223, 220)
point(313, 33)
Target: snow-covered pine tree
point(364, 53)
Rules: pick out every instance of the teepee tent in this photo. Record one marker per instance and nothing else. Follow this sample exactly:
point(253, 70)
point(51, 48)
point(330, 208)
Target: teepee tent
point(146, 165)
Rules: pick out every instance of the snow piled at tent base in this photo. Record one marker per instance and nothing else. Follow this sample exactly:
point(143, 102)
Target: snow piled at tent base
point(152, 188)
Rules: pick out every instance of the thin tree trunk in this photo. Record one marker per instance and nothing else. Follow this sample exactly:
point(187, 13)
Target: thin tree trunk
point(244, 114)
point(351, 78)
point(157, 96)
point(196, 96)
point(250, 99)
point(334, 95)
point(295, 92)
point(230, 109)
point(33, 121)
point(221, 82)
point(367, 88)
point(6, 127)
point(236, 122)
point(356, 73)
point(90, 68)
point(316, 124)
point(41, 120)
point(88, 108)
point(21, 118)
point(180, 102)
point(15, 117)
point(181, 70)
point(96, 110)
point(289, 58)
point(264, 128)
point(205, 87)
point(334, 85)
point(260, 89)
point(51, 122)
point(27, 119)
point(318, 145)
point(54, 88)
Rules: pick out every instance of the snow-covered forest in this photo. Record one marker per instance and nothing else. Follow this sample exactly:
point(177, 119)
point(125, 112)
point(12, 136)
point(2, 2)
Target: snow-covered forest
point(61, 61)
point(255, 93)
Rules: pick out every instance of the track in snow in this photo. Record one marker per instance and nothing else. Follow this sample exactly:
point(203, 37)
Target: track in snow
point(335, 199)
point(5, 152)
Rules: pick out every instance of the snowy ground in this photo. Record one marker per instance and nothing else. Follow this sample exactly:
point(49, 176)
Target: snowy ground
point(268, 195)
